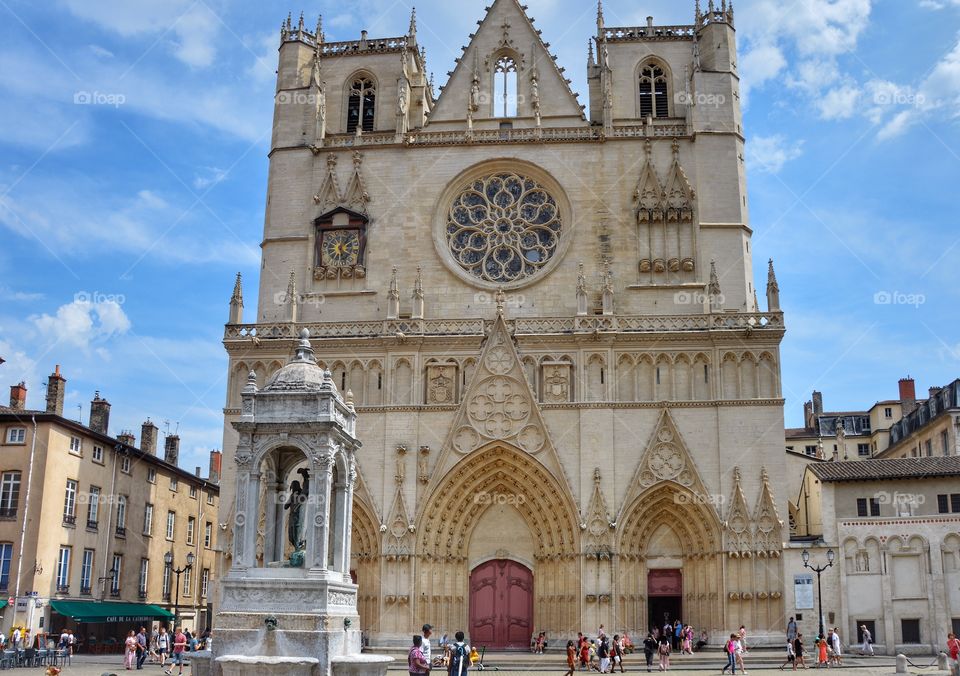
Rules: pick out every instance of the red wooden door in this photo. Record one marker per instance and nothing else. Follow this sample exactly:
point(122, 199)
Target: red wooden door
point(501, 605)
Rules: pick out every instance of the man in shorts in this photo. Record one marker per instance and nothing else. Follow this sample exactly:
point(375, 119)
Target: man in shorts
point(179, 648)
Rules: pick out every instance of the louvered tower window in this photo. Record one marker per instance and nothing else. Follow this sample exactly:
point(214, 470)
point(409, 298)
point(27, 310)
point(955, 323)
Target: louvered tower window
point(361, 105)
point(653, 91)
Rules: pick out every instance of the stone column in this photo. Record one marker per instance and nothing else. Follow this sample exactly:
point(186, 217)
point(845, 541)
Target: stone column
point(338, 522)
point(348, 520)
point(245, 520)
point(318, 546)
point(270, 520)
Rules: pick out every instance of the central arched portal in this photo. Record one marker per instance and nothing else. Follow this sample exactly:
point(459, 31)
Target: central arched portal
point(501, 604)
point(497, 550)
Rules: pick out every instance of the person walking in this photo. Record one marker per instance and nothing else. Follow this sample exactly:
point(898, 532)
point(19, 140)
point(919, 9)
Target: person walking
point(617, 651)
point(953, 653)
point(801, 657)
point(649, 647)
point(163, 646)
point(179, 647)
point(129, 650)
point(739, 653)
point(141, 647)
point(603, 653)
point(821, 644)
point(571, 658)
point(664, 651)
point(866, 648)
point(791, 656)
point(459, 656)
point(731, 649)
point(837, 647)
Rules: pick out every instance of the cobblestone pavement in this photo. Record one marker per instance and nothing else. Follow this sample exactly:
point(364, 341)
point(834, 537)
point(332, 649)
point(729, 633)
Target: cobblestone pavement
point(98, 665)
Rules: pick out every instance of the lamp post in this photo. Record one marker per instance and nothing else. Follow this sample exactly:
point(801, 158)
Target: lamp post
point(818, 570)
point(168, 559)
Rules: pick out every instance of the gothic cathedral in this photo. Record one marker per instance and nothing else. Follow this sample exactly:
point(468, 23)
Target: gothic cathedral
point(567, 394)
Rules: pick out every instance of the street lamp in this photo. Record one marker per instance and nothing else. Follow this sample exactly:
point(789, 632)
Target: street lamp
point(168, 559)
point(818, 569)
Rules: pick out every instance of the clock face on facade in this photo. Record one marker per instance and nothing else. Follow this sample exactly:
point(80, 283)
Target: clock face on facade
point(340, 248)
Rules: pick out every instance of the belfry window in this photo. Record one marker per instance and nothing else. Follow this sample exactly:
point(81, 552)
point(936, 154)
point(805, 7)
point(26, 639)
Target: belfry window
point(361, 105)
point(653, 92)
point(505, 87)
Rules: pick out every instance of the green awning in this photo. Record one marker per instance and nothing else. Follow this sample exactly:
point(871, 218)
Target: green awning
point(110, 611)
point(4, 603)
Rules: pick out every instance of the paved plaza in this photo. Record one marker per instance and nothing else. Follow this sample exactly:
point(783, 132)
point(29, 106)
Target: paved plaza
point(530, 665)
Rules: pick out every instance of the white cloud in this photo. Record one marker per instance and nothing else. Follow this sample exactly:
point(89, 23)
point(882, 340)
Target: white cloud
point(143, 224)
point(190, 28)
point(210, 177)
point(102, 52)
point(839, 103)
point(6, 293)
point(771, 153)
point(83, 323)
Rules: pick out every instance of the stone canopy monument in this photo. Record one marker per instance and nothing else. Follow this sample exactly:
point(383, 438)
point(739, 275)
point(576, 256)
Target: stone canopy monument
point(293, 609)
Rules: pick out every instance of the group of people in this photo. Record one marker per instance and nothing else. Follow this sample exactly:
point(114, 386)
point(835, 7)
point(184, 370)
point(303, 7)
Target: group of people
point(602, 654)
point(735, 648)
point(160, 645)
point(829, 648)
point(455, 657)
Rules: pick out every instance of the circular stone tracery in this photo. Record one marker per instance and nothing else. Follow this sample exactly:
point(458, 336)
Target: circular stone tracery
point(503, 228)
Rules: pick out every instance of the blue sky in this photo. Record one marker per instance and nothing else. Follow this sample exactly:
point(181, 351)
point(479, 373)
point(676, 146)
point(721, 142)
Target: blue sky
point(133, 142)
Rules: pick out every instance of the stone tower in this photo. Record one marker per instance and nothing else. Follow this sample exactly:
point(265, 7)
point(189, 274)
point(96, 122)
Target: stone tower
point(547, 316)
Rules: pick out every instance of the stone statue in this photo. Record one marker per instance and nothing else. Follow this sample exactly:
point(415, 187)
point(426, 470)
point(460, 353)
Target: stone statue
point(402, 104)
point(321, 117)
point(299, 494)
point(475, 94)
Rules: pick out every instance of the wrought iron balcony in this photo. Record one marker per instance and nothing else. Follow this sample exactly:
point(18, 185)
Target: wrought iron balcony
point(69, 519)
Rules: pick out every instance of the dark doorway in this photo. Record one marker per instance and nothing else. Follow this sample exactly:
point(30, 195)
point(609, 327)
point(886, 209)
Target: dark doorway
point(664, 596)
point(501, 605)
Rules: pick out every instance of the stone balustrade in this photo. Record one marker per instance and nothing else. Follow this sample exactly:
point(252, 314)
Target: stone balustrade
point(740, 321)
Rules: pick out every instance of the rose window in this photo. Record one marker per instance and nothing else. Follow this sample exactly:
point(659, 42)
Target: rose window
point(503, 228)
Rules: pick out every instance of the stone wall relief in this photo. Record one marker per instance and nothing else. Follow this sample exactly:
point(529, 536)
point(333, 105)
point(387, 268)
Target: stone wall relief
point(665, 223)
point(441, 384)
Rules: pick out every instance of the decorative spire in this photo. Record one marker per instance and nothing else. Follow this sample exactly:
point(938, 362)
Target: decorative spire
point(698, 16)
point(236, 303)
point(713, 289)
point(730, 14)
point(773, 289)
point(319, 35)
point(393, 296)
point(417, 312)
point(289, 21)
point(290, 299)
point(590, 59)
point(300, 24)
point(304, 351)
point(600, 32)
point(412, 32)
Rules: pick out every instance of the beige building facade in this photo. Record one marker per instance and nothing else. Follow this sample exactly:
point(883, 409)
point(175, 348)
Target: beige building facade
point(894, 526)
point(86, 520)
point(567, 394)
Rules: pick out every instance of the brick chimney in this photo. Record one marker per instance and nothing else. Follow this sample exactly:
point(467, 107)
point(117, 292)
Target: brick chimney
point(216, 458)
point(56, 386)
point(171, 449)
point(18, 396)
point(808, 415)
point(908, 394)
point(148, 437)
point(934, 391)
point(99, 414)
point(126, 437)
point(817, 403)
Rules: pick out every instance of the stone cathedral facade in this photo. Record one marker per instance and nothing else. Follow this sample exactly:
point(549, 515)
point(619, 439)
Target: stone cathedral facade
point(567, 393)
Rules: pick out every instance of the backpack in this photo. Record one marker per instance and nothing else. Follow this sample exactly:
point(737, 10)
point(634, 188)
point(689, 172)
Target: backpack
point(459, 660)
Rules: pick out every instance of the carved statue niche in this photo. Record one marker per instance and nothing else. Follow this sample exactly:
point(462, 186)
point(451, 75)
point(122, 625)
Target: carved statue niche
point(401, 474)
point(423, 464)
